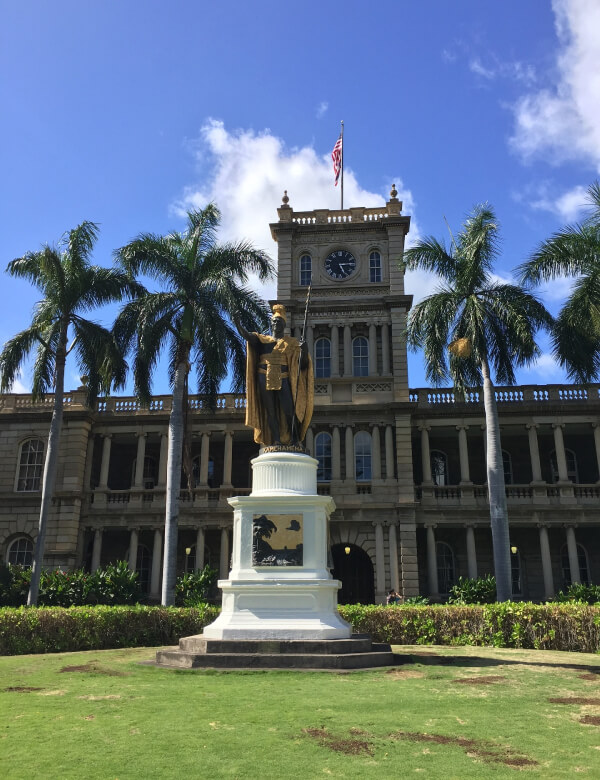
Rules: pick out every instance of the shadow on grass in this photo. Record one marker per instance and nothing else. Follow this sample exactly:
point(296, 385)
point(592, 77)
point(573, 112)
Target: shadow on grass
point(431, 658)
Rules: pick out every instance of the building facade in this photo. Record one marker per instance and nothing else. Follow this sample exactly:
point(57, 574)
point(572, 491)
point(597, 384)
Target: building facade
point(406, 467)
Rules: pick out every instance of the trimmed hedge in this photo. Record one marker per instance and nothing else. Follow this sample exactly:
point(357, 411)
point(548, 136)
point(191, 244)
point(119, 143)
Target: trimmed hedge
point(67, 629)
point(573, 627)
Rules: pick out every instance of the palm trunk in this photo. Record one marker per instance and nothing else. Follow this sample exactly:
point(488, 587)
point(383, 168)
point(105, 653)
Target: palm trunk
point(49, 477)
point(173, 484)
point(496, 491)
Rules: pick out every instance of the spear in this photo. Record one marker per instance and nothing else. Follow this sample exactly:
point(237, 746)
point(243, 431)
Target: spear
point(300, 356)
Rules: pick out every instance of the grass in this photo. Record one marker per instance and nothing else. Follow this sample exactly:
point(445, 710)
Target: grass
point(445, 713)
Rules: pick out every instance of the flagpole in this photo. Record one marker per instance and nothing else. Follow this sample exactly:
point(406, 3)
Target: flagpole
point(342, 188)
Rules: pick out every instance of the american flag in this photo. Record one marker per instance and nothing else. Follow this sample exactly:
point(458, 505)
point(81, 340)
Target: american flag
point(336, 156)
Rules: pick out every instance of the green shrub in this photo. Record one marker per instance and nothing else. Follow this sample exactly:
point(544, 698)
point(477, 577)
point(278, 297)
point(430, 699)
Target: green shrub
point(573, 627)
point(481, 590)
point(114, 584)
point(59, 629)
point(416, 601)
point(14, 585)
point(588, 594)
point(193, 588)
point(64, 589)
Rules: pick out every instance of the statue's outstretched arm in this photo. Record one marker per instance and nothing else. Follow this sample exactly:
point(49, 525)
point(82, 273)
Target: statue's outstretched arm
point(245, 334)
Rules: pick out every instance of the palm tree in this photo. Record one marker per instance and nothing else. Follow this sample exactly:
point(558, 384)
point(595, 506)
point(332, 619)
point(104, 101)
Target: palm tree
point(486, 327)
point(204, 285)
point(574, 251)
point(70, 287)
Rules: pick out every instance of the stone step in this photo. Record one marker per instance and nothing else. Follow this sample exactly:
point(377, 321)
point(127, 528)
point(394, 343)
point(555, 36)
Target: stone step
point(185, 660)
point(358, 643)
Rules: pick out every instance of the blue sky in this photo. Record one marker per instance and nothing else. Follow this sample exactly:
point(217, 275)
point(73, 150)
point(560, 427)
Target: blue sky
point(126, 113)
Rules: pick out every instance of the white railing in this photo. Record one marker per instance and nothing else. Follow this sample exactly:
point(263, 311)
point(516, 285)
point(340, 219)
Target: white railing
point(522, 394)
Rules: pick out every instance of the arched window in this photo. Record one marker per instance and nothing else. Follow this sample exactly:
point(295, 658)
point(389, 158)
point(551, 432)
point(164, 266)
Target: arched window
point(360, 356)
point(143, 567)
point(196, 471)
point(323, 455)
point(507, 465)
point(149, 477)
point(31, 464)
point(322, 358)
point(515, 569)
point(305, 270)
point(362, 456)
point(583, 565)
point(20, 551)
point(445, 567)
point(572, 471)
point(375, 267)
point(439, 467)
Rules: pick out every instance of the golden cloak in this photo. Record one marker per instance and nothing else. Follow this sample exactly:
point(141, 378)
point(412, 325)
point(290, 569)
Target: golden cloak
point(288, 348)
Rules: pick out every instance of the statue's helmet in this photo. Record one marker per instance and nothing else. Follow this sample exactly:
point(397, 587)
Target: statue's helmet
point(279, 311)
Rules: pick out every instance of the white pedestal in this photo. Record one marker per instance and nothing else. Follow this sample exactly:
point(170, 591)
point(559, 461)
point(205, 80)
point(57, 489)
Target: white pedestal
point(295, 598)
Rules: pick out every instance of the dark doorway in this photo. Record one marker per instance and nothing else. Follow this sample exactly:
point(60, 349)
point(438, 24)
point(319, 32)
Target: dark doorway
point(353, 567)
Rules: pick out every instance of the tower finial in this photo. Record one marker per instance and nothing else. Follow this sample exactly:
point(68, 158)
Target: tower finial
point(394, 192)
point(285, 200)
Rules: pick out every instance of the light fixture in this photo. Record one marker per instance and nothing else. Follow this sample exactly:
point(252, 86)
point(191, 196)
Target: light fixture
point(513, 550)
point(188, 550)
point(347, 550)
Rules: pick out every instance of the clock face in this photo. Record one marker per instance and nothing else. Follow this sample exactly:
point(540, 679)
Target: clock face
point(340, 264)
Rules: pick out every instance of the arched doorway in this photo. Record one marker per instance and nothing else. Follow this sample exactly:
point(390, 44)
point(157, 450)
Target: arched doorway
point(353, 567)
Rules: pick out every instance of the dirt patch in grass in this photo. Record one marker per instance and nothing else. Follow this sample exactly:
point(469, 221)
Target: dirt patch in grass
point(22, 689)
point(490, 679)
point(351, 747)
point(574, 700)
point(590, 720)
point(93, 668)
point(100, 698)
point(472, 747)
point(593, 676)
point(404, 674)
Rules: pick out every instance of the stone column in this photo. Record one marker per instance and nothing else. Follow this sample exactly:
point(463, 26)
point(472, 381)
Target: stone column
point(375, 452)
point(432, 576)
point(224, 558)
point(379, 562)
point(534, 453)
point(310, 441)
point(138, 481)
point(97, 549)
point(200, 549)
point(347, 351)
point(349, 453)
point(228, 458)
point(336, 465)
point(385, 349)
point(546, 562)
point(89, 458)
point(372, 349)
point(162, 459)
point(204, 458)
point(389, 452)
point(573, 557)
point(105, 463)
point(471, 553)
point(335, 350)
point(133, 549)
point(561, 457)
point(425, 455)
point(463, 452)
point(156, 561)
point(596, 428)
point(393, 547)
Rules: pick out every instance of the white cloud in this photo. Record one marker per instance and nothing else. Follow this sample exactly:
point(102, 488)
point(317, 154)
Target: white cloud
point(567, 206)
point(248, 172)
point(515, 70)
point(19, 386)
point(546, 369)
point(476, 67)
point(322, 109)
point(564, 120)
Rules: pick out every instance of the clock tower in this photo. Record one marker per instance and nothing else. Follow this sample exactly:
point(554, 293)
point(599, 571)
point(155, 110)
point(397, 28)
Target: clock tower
point(361, 432)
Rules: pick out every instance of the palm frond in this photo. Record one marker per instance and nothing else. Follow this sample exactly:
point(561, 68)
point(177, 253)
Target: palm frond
point(431, 255)
point(14, 353)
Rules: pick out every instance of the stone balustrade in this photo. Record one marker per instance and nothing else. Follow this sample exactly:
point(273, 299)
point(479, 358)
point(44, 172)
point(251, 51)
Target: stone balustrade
point(426, 397)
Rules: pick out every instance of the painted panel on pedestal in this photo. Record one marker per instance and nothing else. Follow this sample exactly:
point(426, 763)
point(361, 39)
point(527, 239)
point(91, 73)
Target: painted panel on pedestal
point(277, 540)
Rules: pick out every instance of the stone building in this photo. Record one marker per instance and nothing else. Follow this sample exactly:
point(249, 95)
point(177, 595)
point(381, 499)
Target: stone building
point(406, 467)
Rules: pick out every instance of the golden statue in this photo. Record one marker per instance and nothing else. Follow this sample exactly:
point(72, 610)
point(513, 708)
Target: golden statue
point(279, 384)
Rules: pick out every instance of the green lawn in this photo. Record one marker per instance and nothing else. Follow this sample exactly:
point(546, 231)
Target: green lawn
point(447, 713)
